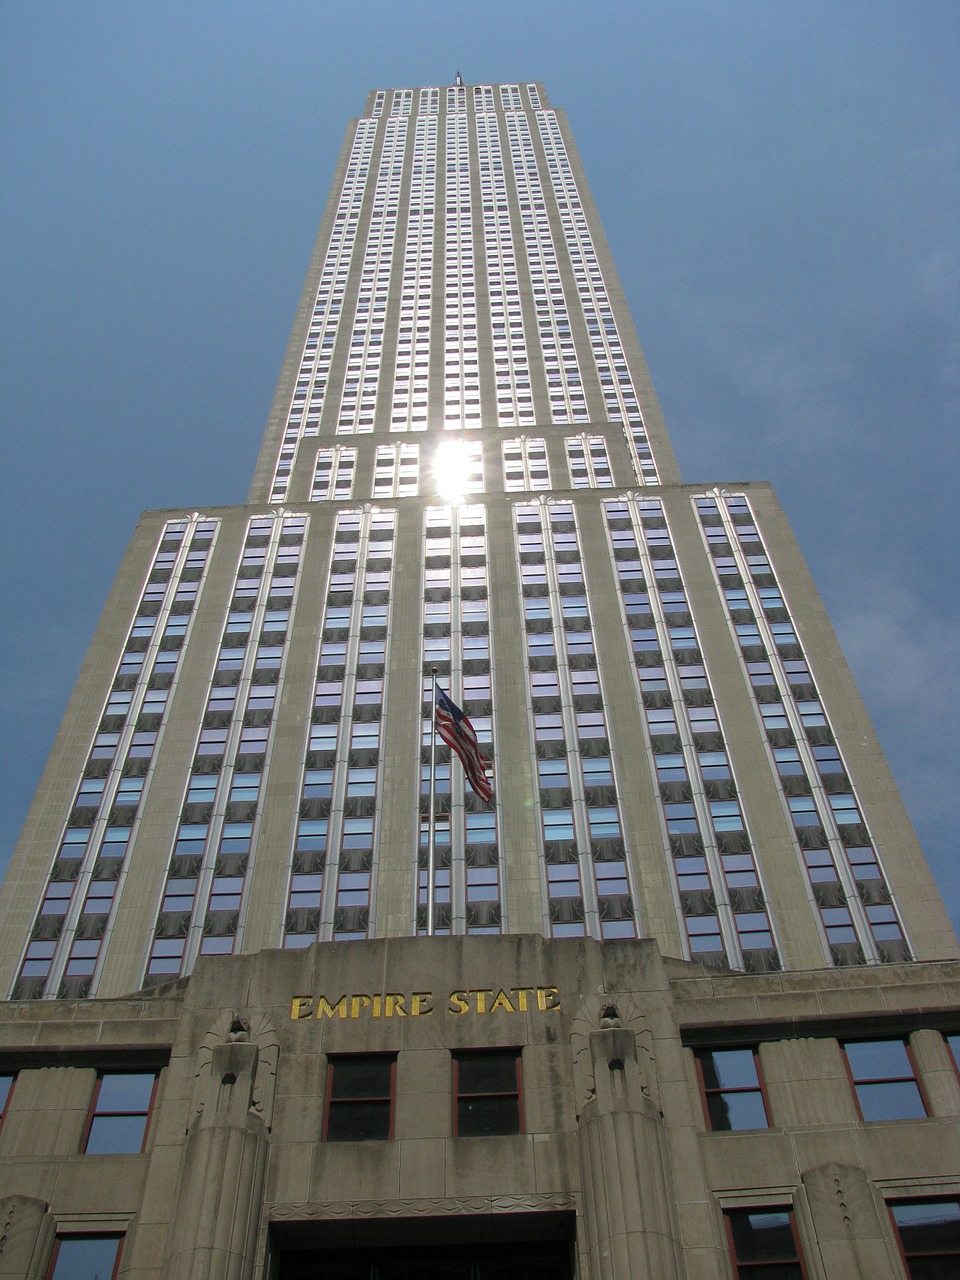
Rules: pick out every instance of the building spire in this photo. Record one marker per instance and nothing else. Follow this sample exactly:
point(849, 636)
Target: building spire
point(459, 80)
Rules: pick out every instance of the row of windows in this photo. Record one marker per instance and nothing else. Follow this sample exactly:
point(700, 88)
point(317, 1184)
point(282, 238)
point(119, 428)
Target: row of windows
point(359, 394)
point(722, 903)
point(620, 397)
point(511, 363)
point(397, 468)
point(331, 886)
point(764, 1244)
point(857, 914)
point(203, 898)
point(456, 645)
point(461, 385)
point(455, 98)
point(119, 1112)
point(360, 1100)
point(73, 921)
point(585, 869)
point(308, 397)
point(411, 372)
point(883, 1074)
point(487, 1095)
point(560, 364)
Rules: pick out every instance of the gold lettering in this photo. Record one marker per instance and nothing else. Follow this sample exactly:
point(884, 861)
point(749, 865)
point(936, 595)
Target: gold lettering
point(521, 993)
point(339, 1009)
point(393, 1002)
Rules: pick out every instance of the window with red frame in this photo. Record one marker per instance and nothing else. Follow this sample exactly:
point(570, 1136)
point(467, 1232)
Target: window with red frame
point(953, 1043)
point(732, 1089)
point(120, 1112)
point(77, 1257)
point(929, 1236)
point(885, 1080)
point(7, 1079)
point(488, 1097)
point(764, 1244)
point(360, 1093)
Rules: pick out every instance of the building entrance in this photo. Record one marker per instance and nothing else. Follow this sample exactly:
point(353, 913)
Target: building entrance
point(548, 1260)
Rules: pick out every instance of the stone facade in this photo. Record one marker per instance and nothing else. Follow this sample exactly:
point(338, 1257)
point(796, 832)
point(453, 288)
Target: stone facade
point(615, 1156)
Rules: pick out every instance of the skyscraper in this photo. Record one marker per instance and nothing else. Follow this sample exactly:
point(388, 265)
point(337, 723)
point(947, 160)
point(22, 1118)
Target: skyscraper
point(465, 471)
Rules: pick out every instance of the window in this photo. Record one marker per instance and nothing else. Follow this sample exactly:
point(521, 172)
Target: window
point(596, 771)
point(953, 1041)
point(604, 823)
point(558, 824)
point(763, 1244)
point(884, 1080)
point(119, 1113)
point(929, 1235)
point(360, 1092)
point(76, 1257)
point(486, 1087)
point(726, 815)
point(732, 1089)
point(6, 1089)
point(553, 773)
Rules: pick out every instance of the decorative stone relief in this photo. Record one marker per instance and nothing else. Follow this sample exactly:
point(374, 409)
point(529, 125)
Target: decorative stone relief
point(603, 1012)
point(852, 1229)
point(213, 1231)
point(841, 1201)
point(234, 1026)
point(425, 1208)
point(628, 1189)
point(26, 1238)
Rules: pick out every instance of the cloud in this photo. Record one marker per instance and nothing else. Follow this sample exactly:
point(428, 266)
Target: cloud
point(905, 653)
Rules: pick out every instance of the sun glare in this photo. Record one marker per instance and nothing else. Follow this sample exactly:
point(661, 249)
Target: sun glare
point(451, 470)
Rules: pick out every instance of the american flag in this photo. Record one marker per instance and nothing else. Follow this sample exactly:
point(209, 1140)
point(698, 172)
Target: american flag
point(460, 736)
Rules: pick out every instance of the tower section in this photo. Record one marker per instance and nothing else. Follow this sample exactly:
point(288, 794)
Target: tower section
point(464, 472)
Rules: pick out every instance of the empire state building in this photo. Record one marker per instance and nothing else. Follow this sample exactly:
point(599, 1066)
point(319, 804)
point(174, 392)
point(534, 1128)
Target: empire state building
point(694, 869)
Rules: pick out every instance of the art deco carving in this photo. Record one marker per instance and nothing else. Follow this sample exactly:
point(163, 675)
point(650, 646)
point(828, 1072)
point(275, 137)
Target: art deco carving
point(26, 1238)
point(841, 1202)
point(234, 1026)
point(337, 1210)
point(224, 1159)
point(629, 1196)
point(602, 1012)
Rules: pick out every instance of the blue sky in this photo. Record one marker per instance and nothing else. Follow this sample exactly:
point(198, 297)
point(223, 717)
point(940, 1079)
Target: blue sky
point(782, 197)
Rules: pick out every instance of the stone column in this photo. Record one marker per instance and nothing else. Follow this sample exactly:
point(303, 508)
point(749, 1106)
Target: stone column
point(213, 1234)
point(855, 1242)
point(27, 1232)
point(627, 1184)
point(937, 1072)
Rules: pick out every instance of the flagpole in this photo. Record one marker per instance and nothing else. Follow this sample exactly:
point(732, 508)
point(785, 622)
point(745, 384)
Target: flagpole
point(431, 836)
